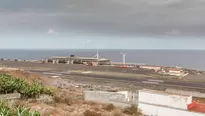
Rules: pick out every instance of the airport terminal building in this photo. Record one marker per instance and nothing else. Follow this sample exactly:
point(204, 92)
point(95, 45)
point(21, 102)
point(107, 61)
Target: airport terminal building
point(79, 60)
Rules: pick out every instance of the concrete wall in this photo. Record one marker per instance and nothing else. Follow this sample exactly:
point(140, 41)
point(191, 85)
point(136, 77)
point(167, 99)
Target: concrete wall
point(165, 99)
point(117, 99)
point(153, 110)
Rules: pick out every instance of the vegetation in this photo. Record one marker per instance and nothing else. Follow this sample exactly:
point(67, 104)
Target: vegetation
point(5, 110)
point(9, 84)
point(91, 113)
point(132, 110)
point(109, 107)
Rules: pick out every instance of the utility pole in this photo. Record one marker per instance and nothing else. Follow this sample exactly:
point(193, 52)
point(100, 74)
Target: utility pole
point(123, 57)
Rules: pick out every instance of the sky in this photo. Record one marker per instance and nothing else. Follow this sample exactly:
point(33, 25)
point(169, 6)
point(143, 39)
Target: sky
point(102, 24)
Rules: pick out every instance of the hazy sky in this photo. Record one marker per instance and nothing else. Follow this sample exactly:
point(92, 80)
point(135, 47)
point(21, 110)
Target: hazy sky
point(124, 24)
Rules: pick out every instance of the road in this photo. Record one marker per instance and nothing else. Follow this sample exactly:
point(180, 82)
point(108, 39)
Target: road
point(149, 81)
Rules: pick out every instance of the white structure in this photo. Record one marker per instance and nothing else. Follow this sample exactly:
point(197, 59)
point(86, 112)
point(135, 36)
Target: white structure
point(155, 68)
point(125, 94)
point(159, 103)
point(176, 72)
point(121, 98)
point(97, 55)
point(164, 99)
point(154, 110)
point(123, 57)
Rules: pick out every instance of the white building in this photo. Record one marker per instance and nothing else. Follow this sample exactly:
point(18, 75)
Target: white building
point(159, 103)
point(155, 68)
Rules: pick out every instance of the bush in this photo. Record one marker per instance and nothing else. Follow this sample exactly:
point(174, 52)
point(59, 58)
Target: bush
point(91, 113)
point(109, 107)
point(10, 84)
point(132, 110)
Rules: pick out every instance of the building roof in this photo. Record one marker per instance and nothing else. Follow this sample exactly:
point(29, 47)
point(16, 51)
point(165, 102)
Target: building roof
point(175, 69)
point(76, 57)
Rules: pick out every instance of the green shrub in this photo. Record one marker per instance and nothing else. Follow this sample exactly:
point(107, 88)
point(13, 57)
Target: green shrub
point(24, 111)
point(4, 109)
point(10, 84)
point(32, 91)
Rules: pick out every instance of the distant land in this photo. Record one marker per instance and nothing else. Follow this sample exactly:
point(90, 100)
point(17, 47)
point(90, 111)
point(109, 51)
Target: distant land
point(193, 59)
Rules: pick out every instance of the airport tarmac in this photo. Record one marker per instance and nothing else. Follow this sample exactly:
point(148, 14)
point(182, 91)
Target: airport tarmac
point(65, 71)
point(167, 83)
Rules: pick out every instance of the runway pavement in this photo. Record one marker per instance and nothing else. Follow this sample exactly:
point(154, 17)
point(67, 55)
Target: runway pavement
point(141, 80)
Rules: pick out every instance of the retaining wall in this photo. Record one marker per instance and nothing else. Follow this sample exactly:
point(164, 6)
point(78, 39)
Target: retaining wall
point(117, 99)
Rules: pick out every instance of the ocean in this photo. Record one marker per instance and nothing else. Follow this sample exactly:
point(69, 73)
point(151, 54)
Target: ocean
point(194, 59)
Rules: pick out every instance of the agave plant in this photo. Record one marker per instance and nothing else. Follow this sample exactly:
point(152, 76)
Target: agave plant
point(4, 109)
point(5, 112)
point(24, 111)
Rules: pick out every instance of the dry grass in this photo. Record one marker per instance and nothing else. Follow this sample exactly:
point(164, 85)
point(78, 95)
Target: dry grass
point(23, 75)
point(109, 107)
point(132, 110)
point(91, 113)
point(91, 103)
point(117, 113)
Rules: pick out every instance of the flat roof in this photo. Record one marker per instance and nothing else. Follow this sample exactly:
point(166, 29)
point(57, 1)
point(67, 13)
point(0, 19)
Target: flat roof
point(76, 57)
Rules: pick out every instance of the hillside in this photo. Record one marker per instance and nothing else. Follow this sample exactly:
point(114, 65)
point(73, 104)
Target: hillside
point(41, 94)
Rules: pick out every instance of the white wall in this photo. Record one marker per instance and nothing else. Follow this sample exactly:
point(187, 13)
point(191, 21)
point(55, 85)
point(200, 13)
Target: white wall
point(124, 93)
point(116, 99)
point(152, 110)
point(164, 99)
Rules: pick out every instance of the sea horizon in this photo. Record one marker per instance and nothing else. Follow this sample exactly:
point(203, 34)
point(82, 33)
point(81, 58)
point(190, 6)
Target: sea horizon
point(192, 59)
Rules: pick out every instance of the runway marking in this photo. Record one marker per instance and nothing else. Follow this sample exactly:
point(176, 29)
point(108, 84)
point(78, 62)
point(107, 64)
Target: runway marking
point(55, 76)
point(51, 73)
point(152, 80)
point(86, 72)
point(149, 82)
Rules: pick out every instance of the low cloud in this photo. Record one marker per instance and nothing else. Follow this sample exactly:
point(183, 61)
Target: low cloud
point(106, 17)
point(173, 33)
point(87, 41)
point(51, 31)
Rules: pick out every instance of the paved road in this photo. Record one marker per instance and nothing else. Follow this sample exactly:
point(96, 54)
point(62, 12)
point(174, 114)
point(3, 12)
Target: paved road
point(149, 81)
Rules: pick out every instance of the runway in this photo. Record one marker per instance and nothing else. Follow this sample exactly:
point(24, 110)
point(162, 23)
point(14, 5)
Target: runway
point(137, 80)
